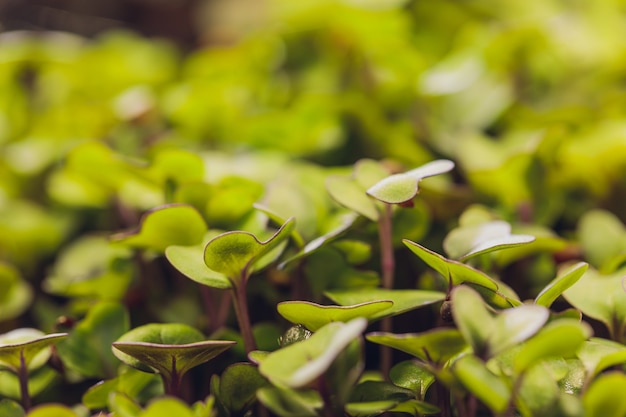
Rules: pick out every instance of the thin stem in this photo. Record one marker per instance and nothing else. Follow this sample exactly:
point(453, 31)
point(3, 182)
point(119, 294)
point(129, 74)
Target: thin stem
point(22, 375)
point(172, 384)
point(388, 266)
point(243, 317)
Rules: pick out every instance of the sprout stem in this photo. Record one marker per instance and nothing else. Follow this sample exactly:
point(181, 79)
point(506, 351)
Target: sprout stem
point(243, 317)
point(22, 375)
point(388, 269)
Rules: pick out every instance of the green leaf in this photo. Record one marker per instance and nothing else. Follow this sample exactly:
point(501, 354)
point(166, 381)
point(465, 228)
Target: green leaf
point(167, 407)
point(189, 260)
point(51, 410)
point(605, 397)
point(39, 380)
point(10, 408)
point(416, 407)
point(601, 297)
point(561, 283)
point(434, 346)
point(129, 382)
point(169, 349)
point(561, 338)
point(314, 316)
point(603, 239)
point(467, 242)
point(15, 294)
point(298, 364)
point(395, 189)
point(348, 193)
point(123, 406)
point(172, 224)
point(317, 243)
point(515, 325)
point(238, 385)
point(407, 374)
point(403, 300)
point(492, 390)
point(473, 319)
point(176, 165)
point(370, 391)
point(369, 408)
point(91, 267)
point(457, 272)
point(87, 348)
point(539, 393)
point(400, 188)
point(368, 172)
point(598, 354)
point(286, 402)
point(30, 344)
point(235, 253)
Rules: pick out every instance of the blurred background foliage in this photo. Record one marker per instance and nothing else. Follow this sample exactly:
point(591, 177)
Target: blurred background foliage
point(109, 109)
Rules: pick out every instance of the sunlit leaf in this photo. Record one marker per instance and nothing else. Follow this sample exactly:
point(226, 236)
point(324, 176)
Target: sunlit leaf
point(174, 224)
point(491, 389)
point(167, 348)
point(400, 188)
point(10, 408)
point(456, 272)
point(313, 316)
point(561, 338)
point(235, 253)
point(604, 397)
point(300, 363)
point(469, 241)
point(403, 300)
point(562, 282)
point(350, 194)
point(408, 375)
point(436, 346)
point(51, 410)
point(602, 236)
point(189, 260)
point(287, 402)
point(30, 345)
point(601, 297)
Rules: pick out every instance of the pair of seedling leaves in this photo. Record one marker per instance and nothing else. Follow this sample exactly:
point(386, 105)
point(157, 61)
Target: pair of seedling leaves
point(230, 258)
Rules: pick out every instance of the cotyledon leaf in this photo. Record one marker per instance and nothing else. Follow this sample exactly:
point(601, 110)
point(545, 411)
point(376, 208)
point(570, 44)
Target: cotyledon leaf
point(314, 316)
point(403, 300)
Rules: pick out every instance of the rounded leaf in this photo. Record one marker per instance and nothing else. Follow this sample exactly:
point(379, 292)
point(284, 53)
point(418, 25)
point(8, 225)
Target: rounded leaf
point(172, 224)
point(235, 253)
point(167, 348)
point(30, 344)
point(562, 282)
point(189, 260)
point(314, 316)
point(605, 397)
point(434, 346)
point(395, 189)
point(298, 364)
point(403, 300)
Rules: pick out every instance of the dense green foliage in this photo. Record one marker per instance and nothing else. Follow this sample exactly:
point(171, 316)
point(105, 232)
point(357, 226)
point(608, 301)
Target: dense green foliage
point(431, 193)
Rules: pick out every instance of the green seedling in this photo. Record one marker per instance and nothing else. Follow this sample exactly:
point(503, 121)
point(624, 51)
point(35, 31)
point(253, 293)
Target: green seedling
point(329, 362)
point(25, 350)
point(167, 349)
